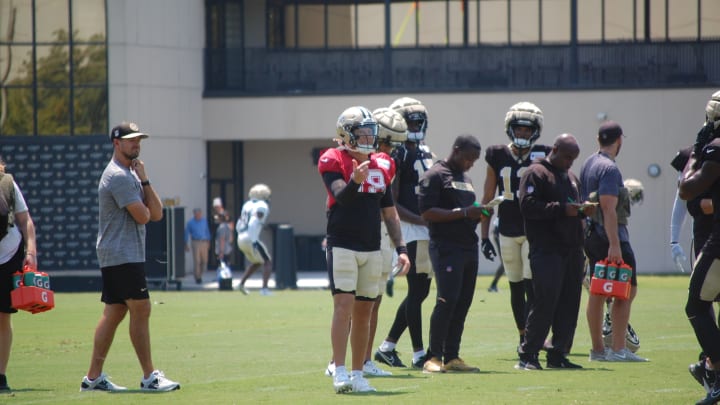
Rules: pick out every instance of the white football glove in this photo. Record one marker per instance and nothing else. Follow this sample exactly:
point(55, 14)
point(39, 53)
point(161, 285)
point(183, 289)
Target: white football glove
point(678, 256)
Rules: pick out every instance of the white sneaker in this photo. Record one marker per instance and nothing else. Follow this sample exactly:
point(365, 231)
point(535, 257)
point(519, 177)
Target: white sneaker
point(265, 292)
point(599, 356)
point(158, 382)
point(330, 370)
point(102, 383)
point(360, 384)
point(371, 369)
point(342, 383)
point(624, 355)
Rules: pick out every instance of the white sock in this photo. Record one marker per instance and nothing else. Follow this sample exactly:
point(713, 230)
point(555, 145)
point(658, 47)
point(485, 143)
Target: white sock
point(356, 374)
point(418, 355)
point(387, 346)
point(339, 370)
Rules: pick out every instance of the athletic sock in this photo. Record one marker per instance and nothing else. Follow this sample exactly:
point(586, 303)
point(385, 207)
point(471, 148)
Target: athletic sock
point(387, 346)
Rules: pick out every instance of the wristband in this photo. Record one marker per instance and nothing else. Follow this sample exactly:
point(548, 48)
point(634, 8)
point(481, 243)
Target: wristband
point(401, 249)
point(145, 183)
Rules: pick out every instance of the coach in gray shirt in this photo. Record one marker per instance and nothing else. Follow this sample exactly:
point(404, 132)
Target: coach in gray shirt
point(127, 202)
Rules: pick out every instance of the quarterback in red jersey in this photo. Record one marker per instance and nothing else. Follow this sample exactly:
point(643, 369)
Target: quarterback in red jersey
point(359, 197)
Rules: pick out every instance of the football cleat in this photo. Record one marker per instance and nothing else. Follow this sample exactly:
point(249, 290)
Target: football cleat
point(702, 375)
point(390, 358)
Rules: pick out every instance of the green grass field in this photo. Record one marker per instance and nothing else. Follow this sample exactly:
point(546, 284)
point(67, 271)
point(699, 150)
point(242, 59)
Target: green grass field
point(228, 348)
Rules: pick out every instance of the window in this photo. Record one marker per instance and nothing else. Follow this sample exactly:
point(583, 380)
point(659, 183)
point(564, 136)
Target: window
point(53, 67)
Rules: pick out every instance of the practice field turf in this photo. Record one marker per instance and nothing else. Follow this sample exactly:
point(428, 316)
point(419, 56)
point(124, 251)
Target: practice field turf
point(227, 348)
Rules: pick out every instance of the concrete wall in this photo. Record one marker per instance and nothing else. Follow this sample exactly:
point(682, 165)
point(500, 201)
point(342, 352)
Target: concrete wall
point(281, 132)
point(155, 79)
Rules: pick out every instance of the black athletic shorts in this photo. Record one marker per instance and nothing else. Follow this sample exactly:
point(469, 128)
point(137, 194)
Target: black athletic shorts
point(124, 282)
point(6, 279)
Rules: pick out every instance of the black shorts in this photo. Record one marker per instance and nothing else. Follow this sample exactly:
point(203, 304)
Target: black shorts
point(6, 279)
point(124, 282)
point(596, 248)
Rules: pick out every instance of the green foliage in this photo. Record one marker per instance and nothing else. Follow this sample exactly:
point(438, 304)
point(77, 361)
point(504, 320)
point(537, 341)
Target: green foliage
point(89, 97)
point(228, 348)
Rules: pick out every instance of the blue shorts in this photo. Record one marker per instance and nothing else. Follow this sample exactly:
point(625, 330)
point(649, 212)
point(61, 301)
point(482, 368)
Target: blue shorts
point(124, 282)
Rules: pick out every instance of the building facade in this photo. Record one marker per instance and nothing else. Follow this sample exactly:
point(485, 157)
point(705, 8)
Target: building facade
point(237, 92)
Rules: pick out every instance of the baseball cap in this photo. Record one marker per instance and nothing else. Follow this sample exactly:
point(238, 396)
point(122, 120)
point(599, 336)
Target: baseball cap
point(610, 130)
point(127, 130)
point(217, 202)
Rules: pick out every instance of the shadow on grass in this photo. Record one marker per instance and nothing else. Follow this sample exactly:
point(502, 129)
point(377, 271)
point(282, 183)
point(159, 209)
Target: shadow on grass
point(14, 390)
point(374, 394)
point(139, 391)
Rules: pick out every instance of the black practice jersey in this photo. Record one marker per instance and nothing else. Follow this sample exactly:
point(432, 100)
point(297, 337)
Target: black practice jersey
point(711, 152)
point(410, 166)
point(442, 187)
point(508, 170)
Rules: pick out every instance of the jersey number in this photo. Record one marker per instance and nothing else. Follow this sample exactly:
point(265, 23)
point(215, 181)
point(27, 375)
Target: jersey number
point(505, 173)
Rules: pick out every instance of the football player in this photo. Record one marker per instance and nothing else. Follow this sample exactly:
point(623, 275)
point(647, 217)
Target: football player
point(392, 132)
point(412, 158)
point(358, 196)
point(701, 175)
point(505, 165)
point(249, 226)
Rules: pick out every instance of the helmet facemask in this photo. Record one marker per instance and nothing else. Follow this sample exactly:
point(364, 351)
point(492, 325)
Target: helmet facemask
point(417, 121)
point(519, 142)
point(352, 120)
point(368, 130)
point(415, 115)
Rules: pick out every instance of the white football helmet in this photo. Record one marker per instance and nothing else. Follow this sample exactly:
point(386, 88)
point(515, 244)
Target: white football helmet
point(412, 110)
point(636, 190)
point(712, 110)
point(524, 114)
point(352, 119)
point(392, 127)
point(259, 192)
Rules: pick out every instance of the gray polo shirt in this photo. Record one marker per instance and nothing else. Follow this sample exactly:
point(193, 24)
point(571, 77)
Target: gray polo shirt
point(120, 239)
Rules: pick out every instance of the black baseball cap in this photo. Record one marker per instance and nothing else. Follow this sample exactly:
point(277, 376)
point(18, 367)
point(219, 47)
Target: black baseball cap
point(609, 131)
point(127, 130)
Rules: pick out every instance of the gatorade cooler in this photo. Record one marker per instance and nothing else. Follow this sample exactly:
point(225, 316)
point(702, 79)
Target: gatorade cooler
point(615, 284)
point(32, 299)
point(30, 293)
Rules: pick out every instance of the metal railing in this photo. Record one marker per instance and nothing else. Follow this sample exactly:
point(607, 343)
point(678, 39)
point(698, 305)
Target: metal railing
point(269, 72)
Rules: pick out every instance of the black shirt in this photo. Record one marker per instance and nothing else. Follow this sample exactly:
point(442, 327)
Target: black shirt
point(441, 187)
point(544, 192)
point(410, 167)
